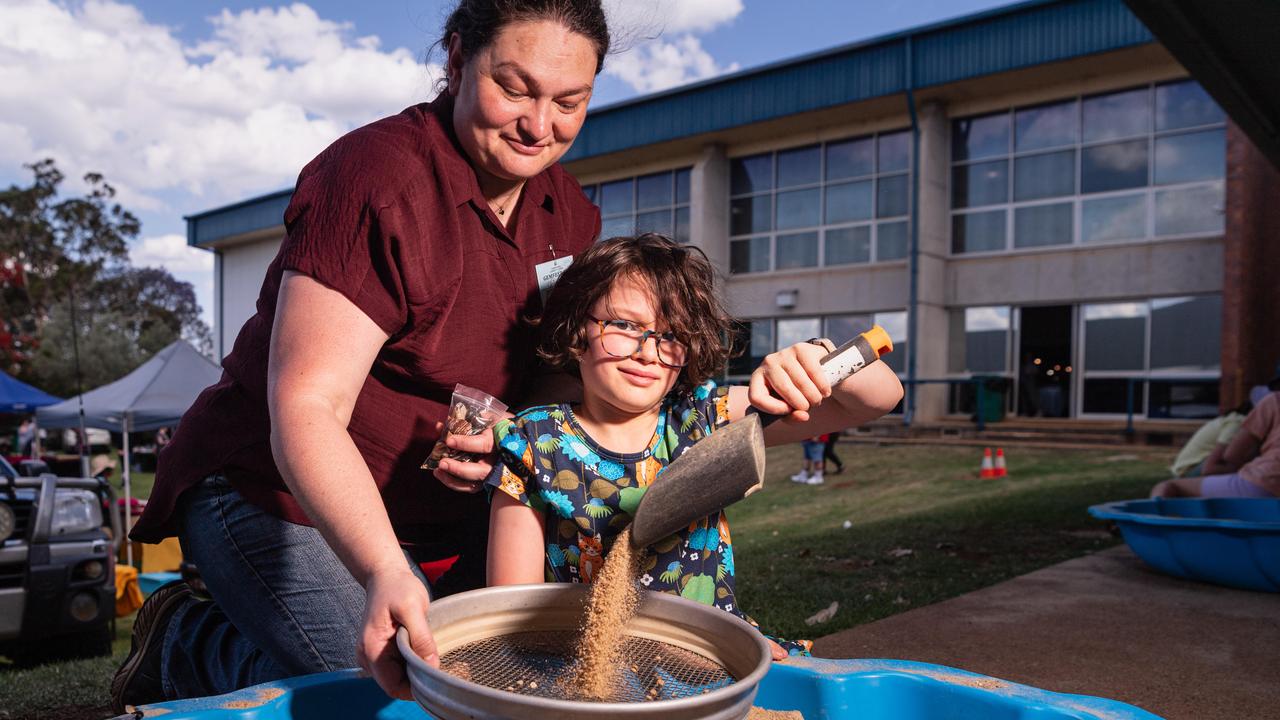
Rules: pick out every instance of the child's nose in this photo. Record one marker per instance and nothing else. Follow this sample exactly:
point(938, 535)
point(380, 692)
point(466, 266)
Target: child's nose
point(648, 350)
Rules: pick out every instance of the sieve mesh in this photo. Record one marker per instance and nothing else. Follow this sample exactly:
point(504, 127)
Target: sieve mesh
point(539, 663)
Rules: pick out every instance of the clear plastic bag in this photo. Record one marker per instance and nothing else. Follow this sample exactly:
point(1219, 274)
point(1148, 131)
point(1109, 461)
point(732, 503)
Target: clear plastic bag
point(471, 413)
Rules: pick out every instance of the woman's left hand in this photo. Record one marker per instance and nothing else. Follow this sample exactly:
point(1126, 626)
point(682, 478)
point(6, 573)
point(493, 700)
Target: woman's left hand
point(790, 381)
point(462, 476)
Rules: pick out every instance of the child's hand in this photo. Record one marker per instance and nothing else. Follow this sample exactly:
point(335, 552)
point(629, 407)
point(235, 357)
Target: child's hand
point(777, 651)
point(790, 382)
point(462, 476)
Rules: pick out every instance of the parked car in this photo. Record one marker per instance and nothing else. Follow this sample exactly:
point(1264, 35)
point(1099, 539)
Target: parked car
point(57, 566)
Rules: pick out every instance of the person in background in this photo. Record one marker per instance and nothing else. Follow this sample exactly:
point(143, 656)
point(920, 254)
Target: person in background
point(1249, 466)
point(26, 436)
point(829, 456)
point(101, 467)
point(811, 473)
point(1211, 439)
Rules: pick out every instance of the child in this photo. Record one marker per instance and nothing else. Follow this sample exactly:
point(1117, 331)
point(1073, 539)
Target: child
point(811, 473)
point(638, 320)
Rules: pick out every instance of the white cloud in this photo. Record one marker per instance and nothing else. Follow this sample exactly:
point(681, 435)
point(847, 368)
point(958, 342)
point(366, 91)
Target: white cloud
point(99, 88)
point(295, 33)
point(650, 18)
point(656, 41)
point(172, 253)
point(658, 64)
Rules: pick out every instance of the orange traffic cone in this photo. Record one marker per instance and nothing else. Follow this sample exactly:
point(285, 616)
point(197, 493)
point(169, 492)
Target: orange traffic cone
point(988, 470)
point(1001, 469)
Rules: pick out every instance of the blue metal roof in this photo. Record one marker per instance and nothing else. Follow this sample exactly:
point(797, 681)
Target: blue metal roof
point(1032, 33)
point(246, 216)
point(1000, 40)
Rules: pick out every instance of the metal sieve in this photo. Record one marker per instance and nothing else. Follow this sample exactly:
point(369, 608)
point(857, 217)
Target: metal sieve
point(505, 653)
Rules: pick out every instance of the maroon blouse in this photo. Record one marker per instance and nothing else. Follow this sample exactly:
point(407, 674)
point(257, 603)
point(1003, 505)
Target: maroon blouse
point(391, 216)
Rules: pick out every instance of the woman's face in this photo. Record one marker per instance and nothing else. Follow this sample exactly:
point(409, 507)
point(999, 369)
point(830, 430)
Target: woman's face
point(520, 102)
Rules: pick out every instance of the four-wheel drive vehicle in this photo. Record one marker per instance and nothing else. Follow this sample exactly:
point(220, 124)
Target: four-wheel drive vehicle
point(57, 566)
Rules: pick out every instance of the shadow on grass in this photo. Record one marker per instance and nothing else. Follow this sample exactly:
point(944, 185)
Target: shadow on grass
point(923, 528)
point(67, 690)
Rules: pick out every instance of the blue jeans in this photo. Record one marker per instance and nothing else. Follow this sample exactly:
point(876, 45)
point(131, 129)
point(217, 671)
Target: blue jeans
point(283, 604)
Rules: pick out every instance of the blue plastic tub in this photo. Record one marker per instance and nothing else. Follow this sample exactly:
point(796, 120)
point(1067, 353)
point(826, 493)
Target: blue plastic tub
point(1227, 541)
point(828, 689)
point(150, 582)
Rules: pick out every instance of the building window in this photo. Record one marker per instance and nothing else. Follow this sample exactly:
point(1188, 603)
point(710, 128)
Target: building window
point(1130, 165)
point(835, 203)
point(1166, 349)
point(758, 337)
point(649, 203)
point(980, 341)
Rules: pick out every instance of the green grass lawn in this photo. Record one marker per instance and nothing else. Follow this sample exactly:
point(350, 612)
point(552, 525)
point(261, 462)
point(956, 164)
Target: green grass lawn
point(793, 555)
point(70, 690)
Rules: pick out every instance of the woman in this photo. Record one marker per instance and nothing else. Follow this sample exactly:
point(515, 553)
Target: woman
point(413, 251)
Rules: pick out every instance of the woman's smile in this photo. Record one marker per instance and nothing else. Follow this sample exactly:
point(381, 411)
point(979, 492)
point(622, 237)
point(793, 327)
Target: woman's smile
point(524, 148)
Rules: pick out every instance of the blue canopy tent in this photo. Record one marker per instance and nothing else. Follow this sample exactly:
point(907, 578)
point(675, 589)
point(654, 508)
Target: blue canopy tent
point(19, 397)
point(154, 395)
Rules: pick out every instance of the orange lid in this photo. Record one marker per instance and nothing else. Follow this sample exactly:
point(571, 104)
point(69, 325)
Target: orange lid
point(879, 340)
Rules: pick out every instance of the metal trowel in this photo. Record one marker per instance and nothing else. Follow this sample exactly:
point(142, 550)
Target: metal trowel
point(728, 465)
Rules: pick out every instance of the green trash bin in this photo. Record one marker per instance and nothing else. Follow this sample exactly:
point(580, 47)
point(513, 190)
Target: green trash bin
point(992, 399)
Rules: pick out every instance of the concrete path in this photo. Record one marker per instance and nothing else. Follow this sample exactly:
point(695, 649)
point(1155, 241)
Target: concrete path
point(1103, 625)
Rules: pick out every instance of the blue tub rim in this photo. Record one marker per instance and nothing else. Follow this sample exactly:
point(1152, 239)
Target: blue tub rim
point(1124, 511)
point(839, 670)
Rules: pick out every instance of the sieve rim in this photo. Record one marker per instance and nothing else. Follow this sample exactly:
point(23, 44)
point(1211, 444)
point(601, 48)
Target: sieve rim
point(651, 601)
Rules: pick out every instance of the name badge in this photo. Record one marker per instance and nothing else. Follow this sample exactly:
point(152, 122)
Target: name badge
point(550, 271)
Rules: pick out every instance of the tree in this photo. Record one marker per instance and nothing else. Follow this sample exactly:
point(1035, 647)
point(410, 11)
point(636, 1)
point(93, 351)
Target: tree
point(163, 308)
point(59, 252)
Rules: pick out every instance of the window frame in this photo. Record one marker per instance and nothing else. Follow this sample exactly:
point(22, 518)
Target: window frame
point(873, 221)
point(593, 191)
point(1078, 199)
point(1144, 376)
point(822, 319)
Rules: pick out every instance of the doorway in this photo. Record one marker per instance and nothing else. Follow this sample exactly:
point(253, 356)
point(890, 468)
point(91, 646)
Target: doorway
point(1044, 361)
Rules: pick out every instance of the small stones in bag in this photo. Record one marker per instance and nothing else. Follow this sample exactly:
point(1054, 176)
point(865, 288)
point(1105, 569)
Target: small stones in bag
point(471, 413)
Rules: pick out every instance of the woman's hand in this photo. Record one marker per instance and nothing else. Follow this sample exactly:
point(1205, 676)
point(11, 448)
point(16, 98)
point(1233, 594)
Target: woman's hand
point(394, 597)
point(462, 476)
point(790, 381)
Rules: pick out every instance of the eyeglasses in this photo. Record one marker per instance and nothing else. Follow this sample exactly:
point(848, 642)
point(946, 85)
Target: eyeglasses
point(623, 338)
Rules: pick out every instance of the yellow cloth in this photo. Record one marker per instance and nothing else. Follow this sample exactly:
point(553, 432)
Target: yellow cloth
point(1217, 431)
point(163, 557)
point(128, 593)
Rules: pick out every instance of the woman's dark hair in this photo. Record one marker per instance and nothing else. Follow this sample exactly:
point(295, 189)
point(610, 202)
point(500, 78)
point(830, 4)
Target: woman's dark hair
point(683, 285)
point(478, 22)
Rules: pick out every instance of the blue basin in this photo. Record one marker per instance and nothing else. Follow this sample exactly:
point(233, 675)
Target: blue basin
point(1227, 541)
point(828, 689)
point(150, 582)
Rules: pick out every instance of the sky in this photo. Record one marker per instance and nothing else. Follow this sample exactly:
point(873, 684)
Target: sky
point(187, 105)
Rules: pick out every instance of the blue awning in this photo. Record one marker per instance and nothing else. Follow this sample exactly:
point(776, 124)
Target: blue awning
point(19, 397)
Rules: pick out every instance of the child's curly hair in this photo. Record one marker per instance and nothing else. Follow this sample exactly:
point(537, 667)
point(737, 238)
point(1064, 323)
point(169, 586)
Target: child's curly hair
point(683, 285)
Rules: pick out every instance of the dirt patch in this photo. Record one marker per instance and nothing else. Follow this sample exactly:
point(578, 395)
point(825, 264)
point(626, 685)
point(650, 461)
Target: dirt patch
point(756, 713)
point(263, 697)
